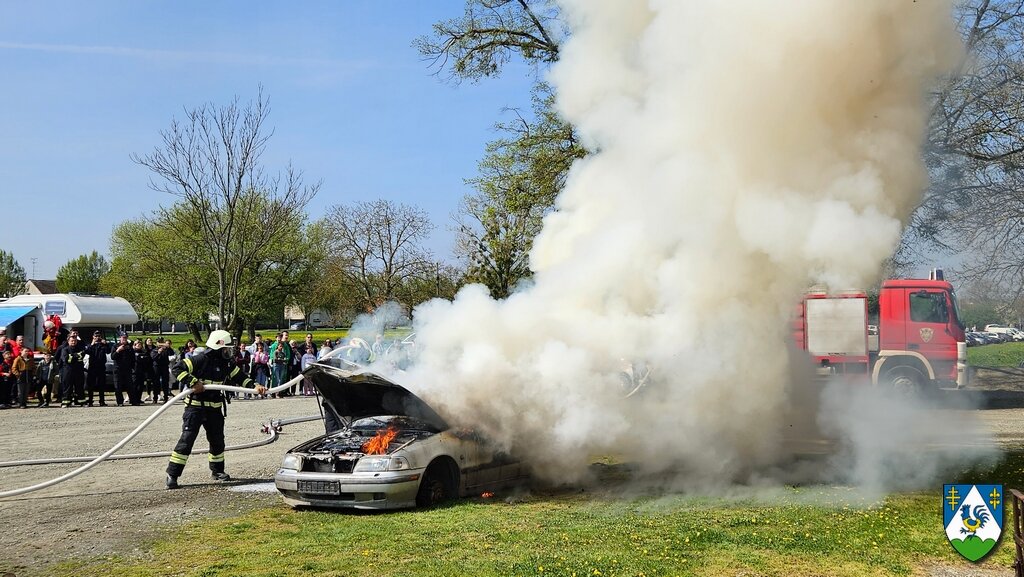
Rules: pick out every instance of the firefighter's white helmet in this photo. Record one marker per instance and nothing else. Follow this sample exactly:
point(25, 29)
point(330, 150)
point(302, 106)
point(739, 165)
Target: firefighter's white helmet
point(218, 339)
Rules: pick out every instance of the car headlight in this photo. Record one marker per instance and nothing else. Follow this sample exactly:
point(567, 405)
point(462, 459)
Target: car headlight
point(379, 464)
point(293, 462)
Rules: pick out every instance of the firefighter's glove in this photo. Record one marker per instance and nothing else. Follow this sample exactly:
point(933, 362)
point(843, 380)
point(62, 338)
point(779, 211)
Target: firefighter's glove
point(198, 387)
point(261, 390)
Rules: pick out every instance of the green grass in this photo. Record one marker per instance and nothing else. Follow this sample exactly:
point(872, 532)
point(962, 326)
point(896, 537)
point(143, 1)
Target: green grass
point(787, 531)
point(999, 355)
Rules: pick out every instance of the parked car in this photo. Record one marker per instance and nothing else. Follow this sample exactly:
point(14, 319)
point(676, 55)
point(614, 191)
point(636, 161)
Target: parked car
point(992, 338)
point(974, 339)
point(299, 326)
point(1006, 334)
point(388, 450)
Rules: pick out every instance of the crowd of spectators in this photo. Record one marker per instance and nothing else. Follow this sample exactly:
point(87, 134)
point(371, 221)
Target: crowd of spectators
point(76, 374)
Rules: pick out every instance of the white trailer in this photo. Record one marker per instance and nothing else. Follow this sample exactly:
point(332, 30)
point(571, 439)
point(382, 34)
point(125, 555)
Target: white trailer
point(25, 314)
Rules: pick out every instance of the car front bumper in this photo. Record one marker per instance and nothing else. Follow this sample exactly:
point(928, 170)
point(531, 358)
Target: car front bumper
point(387, 490)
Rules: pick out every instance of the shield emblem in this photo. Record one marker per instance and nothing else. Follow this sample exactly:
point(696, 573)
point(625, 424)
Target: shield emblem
point(927, 334)
point(973, 517)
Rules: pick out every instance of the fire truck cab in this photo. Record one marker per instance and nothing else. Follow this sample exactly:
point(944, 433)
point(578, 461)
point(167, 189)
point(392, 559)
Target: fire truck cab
point(920, 341)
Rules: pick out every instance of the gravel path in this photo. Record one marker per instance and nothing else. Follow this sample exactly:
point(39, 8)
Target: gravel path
point(114, 508)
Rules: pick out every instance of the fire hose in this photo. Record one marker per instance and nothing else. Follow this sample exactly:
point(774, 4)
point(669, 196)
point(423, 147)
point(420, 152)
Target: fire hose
point(272, 428)
point(110, 452)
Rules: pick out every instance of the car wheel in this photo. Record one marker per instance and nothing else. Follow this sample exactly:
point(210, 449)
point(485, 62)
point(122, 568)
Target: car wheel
point(436, 487)
point(906, 381)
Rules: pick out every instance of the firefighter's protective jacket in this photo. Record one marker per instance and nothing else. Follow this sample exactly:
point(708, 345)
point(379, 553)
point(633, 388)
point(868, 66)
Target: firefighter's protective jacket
point(210, 367)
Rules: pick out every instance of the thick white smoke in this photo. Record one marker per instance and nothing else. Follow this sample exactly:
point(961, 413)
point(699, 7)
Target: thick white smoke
point(745, 150)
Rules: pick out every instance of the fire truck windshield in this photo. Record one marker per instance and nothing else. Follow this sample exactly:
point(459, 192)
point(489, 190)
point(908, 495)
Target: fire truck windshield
point(956, 309)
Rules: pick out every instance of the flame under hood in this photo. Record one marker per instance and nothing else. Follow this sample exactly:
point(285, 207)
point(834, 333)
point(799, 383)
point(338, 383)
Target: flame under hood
point(354, 395)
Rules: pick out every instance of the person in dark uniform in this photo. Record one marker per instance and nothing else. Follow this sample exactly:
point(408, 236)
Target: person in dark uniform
point(151, 387)
point(71, 357)
point(140, 373)
point(124, 364)
point(162, 367)
point(206, 408)
point(96, 374)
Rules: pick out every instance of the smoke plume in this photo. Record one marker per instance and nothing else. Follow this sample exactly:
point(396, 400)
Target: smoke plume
point(744, 151)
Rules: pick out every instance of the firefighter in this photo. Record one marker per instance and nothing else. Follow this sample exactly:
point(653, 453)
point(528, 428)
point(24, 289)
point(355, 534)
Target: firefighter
point(71, 358)
point(206, 408)
point(96, 374)
point(124, 363)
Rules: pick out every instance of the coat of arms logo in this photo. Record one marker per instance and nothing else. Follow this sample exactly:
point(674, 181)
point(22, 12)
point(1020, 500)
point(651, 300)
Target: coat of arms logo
point(927, 334)
point(973, 517)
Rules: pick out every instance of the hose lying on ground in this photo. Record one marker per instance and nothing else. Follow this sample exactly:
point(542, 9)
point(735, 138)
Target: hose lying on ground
point(272, 429)
point(97, 460)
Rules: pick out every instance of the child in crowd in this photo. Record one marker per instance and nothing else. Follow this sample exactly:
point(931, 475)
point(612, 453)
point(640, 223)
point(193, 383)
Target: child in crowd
point(327, 347)
point(308, 358)
point(260, 365)
point(46, 379)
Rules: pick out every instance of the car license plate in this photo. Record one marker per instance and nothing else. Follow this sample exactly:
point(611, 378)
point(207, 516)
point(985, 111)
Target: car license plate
point(320, 487)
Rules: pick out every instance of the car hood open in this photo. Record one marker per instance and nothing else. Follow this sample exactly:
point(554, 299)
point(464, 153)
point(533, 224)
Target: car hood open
point(354, 395)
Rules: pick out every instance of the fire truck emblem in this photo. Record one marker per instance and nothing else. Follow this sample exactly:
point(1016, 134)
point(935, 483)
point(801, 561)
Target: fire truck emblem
point(973, 518)
point(927, 334)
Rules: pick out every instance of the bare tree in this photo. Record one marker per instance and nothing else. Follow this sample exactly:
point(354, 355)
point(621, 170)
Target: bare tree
point(212, 162)
point(975, 152)
point(489, 34)
point(380, 244)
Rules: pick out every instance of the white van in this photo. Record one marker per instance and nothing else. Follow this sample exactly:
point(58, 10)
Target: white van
point(1004, 332)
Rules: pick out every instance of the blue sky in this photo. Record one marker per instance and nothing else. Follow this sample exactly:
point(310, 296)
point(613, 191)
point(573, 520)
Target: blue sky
point(86, 84)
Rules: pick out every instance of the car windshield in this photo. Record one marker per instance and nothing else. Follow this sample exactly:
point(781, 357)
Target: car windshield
point(397, 421)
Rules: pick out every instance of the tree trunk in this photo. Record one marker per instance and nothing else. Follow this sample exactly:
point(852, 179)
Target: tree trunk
point(194, 329)
point(235, 328)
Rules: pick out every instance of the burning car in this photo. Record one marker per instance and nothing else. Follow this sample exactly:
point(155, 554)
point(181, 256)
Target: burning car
point(390, 450)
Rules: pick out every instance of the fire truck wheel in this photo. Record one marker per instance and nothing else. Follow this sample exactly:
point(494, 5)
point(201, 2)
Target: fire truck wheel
point(906, 381)
point(437, 486)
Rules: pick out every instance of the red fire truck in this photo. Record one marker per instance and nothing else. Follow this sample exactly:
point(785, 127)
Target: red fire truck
point(918, 343)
